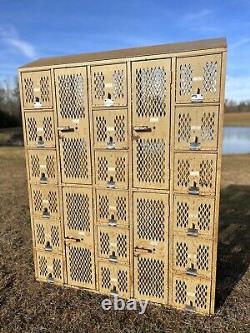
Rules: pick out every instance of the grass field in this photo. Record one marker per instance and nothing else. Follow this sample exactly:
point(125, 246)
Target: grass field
point(29, 306)
point(237, 119)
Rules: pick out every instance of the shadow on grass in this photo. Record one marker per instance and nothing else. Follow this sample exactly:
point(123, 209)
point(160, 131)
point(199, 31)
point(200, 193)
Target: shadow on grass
point(234, 239)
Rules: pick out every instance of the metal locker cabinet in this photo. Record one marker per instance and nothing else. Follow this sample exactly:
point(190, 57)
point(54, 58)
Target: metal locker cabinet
point(123, 155)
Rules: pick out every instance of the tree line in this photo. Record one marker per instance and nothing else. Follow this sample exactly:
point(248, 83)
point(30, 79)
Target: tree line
point(10, 108)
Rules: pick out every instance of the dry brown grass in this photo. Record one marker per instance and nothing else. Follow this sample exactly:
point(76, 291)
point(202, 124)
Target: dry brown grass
point(29, 306)
point(237, 119)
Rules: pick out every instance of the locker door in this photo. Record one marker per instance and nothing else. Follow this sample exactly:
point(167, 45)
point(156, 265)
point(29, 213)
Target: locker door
point(80, 264)
point(40, 129)
point(73, 122)
point(36, 88)
point(195, 173)
point(198, 79)
point(196, 127)
point(109, 85)
point(72, 98)
point(151, 116)
point(75, 158)
point(150, 245)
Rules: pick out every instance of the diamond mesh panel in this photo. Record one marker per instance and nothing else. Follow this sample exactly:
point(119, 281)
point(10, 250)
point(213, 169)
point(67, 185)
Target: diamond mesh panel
point(104, 243)
point(186, 79)
point(71, 96)
point(45, 88)
point(32, 129)
point(151, 92)
point(48, 129)
point(150, 277)
point(203, 257)
point(201, 296)
point(151, 161)
point(181, 254)
point(103, 206)
point(118, 84)
point(122, 278)
point(105, 278)
point(183, 171)
point(78, 211)
point(80, 264)
point(28, 88)
point(42, 266)
point(207, 170)
point(204, 216)
point(184, 127)
point(40, 234)
point(151, 219)
point(122, 246)
point(210, 76)
point(101, 129)
point(99, 85)
point(37, 200)
point(75, 158)
point(208, 127)
point(182, 214)
point(180, 291)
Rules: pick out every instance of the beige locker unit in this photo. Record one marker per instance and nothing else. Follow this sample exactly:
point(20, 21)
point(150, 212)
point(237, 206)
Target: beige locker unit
point(123, 155)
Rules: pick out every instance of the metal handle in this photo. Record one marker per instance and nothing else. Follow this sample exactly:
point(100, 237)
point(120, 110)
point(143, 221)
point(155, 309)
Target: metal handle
point(66, 129)
point(195, 146)
point(110, 145)
point(43, 179)
point(192, 232)
point(142, 129)
point(190, 308)
point(46, 213)
point(50, 278)
point(40, 142)
point(48, 247)
point(111, 184)
point(191, 271)
point(193, 190)
point(141, 250)
point(113, 292)
point(112, 258)
point(112, 222)
point(197, 98)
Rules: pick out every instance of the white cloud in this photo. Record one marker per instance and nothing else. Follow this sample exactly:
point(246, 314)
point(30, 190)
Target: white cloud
point(197, 16)
point(10, 37)
point(239, 43)
point(238, 88)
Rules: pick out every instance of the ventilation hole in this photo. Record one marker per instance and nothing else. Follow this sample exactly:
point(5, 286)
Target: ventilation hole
point(37, 99)
point(198, 91)
point(109, 95)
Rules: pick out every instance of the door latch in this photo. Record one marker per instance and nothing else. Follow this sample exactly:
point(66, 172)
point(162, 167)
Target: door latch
point(142, 129)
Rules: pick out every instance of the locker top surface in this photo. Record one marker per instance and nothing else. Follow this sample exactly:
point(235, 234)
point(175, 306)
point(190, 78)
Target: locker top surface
point(207, 44)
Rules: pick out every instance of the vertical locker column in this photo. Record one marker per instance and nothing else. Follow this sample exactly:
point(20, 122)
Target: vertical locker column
point(150, 134)
point(76, 173)
point(110, 129)
point(195, 158)
point(41, 159)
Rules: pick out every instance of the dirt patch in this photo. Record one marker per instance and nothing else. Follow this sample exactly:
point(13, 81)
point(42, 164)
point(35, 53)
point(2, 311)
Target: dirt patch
point(29, 306)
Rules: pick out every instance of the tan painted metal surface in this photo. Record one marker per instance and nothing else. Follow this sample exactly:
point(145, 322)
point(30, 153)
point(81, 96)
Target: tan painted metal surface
point(123, 155)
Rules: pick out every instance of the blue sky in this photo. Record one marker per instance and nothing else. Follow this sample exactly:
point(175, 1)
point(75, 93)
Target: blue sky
point(39, 28)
